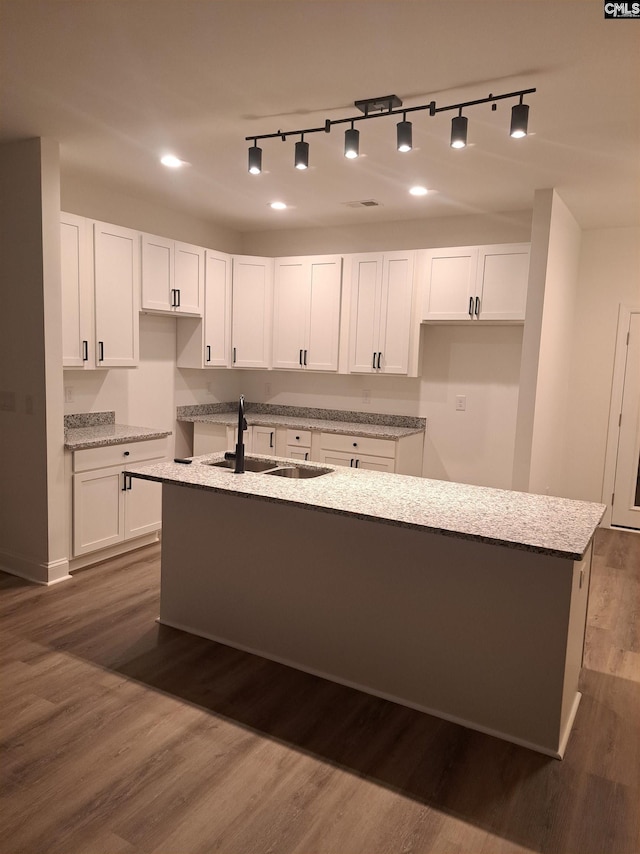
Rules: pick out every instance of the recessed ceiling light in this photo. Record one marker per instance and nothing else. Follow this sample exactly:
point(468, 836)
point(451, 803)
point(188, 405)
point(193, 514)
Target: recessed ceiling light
point(418, 191)
point(172, 161)
point(278, 206)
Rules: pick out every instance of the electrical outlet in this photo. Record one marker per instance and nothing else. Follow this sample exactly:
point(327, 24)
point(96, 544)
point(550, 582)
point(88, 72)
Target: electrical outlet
point(366, 395)
point(68, 394)
point(267, 389)
point(461, 402)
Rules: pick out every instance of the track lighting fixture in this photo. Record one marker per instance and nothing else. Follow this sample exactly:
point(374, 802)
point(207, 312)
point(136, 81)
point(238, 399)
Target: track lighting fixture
point(352, 143)
point(459, 131)
point(404, 132)
point(391, 105)
point(255, 159)
point(302, 154)
point(519, 120)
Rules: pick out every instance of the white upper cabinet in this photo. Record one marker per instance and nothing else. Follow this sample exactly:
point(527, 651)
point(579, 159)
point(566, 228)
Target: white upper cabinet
point(117, 294)
point(251, 311)
point(206, 343)
point(77, 292)
point(172, 276)
point(501, 283)
point(382, 333)
point(306, 325)
point(476, 283)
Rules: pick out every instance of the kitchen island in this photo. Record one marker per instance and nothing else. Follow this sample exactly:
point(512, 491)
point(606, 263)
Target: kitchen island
point(464, 602)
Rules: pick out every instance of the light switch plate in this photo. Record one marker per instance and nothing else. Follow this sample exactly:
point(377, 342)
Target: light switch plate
point(461, 402)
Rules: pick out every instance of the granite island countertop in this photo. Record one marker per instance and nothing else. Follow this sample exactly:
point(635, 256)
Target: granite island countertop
point(96, 429)
point(539, 523)
point(349, 423)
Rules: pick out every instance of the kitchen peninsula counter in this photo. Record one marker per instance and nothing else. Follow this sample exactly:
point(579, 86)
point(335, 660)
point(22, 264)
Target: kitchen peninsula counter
point(463, 602)
point(540, 523)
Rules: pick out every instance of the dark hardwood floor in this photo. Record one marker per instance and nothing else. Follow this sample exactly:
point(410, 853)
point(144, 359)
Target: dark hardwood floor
point(122, 736)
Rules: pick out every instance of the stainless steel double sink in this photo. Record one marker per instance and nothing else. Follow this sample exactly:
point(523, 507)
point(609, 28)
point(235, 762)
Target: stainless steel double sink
point(272, 467)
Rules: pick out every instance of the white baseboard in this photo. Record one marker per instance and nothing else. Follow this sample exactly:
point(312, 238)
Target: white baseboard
point(38, 572)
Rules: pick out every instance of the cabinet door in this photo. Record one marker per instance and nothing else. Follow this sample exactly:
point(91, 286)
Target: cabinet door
point(451, 284)
point(142, 507)
point(157, 273)
point(188, 279)
point(251, 307)
point(503, 274)
point(395, 313)
point(209, 438)
point(295, 453)
point(98, 509)
point(291, 303)
point(366, 285)
point(77, 292)
point(263, 440)
point(217, 309)
point(117, 295)
point(337, 458)
point(375, 463)
point(322, 331)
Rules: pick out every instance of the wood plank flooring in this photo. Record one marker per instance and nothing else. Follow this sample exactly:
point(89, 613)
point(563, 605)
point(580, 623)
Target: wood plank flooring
point(120, 736)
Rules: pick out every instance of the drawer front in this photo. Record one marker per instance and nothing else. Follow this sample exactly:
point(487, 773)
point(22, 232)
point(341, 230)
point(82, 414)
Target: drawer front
point(114, 455)
point(358, 445)
point(299, 438)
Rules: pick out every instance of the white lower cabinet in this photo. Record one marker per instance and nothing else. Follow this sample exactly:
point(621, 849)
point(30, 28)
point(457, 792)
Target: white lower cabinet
point(357, 452)
point(110, 507)
point(213, 438)
point(298, 444)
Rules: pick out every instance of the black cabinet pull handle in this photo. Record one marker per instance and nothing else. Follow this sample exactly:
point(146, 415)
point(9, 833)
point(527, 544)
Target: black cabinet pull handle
point(208, 352)
point(355, 444)
point(379, 357)
point(125, 453)
point(477, 306)
point(470, 306)
point(178, 292)
point(173, 297)
point(85, 351)
point(234, 355)
point(306, 455)
point(271, 439)
point(300, 358)
point(373, 364)
point(357, 463)
point(124, 482)
point(305, 358)
point(100, 351)
point(351, 463)
point(297, 438)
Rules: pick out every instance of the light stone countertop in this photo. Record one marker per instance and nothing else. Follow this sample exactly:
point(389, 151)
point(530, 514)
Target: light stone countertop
point(538, 523)
point(97, 435)
point(293, 422)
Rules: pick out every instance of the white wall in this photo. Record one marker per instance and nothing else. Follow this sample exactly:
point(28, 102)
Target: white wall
point(542, 432)
point(86, 196)
point(33, 521)
point(609, 276)
point(482, 364)
point(412, 234)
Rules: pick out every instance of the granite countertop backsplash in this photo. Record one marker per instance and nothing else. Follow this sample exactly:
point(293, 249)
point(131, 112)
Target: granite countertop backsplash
point(95, 429)
point(374, 424)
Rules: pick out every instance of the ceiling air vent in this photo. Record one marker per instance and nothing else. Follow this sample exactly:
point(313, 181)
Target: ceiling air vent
point(364, 203)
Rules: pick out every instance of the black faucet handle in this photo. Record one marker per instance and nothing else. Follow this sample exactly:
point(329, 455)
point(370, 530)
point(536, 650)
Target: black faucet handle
point(245, 426)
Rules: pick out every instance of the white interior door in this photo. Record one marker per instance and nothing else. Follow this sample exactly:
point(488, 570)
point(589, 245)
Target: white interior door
point(625, 510)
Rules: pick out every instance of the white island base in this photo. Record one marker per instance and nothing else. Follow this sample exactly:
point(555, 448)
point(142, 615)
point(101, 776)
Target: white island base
point(487, 636)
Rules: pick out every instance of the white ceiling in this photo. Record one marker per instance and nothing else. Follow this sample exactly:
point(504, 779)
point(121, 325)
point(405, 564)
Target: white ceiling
point(118, 82)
